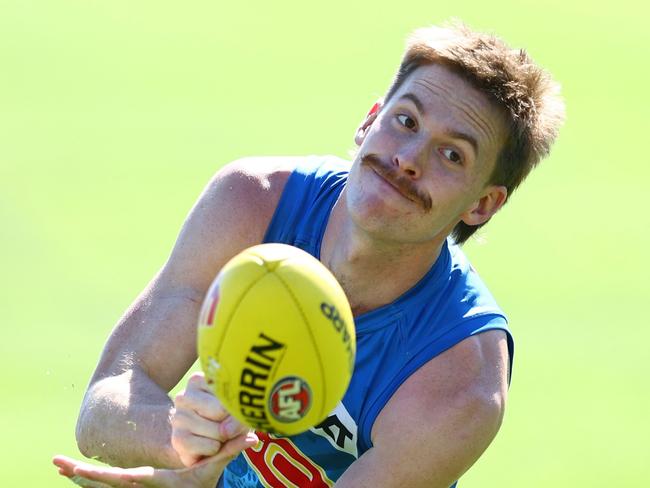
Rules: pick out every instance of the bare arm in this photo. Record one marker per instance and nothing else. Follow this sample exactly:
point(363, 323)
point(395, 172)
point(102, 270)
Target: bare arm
point(430, 432)
point(125, 414)
point(439, 421)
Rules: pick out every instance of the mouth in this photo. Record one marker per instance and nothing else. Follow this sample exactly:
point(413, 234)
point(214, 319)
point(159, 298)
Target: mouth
point(400, 184)
point(392, 184)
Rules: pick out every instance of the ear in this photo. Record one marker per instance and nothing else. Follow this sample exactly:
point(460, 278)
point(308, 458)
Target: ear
point(484, 208)
point(365, 125)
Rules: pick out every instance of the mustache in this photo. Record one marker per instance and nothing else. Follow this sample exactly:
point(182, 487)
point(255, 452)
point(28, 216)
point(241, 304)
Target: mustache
point(401, 182)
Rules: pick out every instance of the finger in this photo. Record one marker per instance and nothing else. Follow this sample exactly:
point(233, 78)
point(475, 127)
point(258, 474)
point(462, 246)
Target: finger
point(186, 420)
point(204, 403)
point(86, 483)
point(117, 477)
point(231, 428)
point(228, 451)
point(194, 447)
point(208, 471)
point(189, 421)
point(67, 467)
point(198, 380)
point(234, 446)
point(65, 464)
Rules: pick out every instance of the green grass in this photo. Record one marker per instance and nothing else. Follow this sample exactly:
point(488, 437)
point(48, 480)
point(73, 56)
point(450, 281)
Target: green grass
point(115, 114)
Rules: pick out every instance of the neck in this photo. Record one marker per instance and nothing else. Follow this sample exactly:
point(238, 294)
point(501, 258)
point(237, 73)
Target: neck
point(371, 270)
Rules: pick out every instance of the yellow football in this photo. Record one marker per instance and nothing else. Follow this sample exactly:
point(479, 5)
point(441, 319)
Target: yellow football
point(276, 339)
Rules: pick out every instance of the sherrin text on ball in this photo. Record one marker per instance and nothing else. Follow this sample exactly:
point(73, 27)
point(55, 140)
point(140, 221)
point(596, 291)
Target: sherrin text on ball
point(276, 339)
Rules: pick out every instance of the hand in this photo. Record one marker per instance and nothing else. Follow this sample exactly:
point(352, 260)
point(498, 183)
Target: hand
point(200, 424)
point(204, 474)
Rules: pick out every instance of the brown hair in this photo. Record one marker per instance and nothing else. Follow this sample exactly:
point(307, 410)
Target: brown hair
point(527, 93)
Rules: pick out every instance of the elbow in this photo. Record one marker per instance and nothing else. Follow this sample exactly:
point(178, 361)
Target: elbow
point(494, 403)
point(484, 414)
point(494, 407)
point(83, 431)
point(93, 421)
point(104, 400)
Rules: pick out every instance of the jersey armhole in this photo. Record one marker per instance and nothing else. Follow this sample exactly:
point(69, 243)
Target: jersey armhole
point(307, 183)
point(290, 203)
point(470, 328)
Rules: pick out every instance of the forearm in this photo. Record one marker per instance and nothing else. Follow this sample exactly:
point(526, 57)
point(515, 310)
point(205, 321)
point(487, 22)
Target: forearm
point(125, 421)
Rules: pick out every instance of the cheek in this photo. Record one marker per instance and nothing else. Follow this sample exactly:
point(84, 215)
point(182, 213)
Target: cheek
point(368, 206)
point(377, 137)
point(363, 200)
point(450, 189)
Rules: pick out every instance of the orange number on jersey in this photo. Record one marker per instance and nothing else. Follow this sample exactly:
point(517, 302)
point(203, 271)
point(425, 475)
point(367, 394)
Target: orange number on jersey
point(279, 464)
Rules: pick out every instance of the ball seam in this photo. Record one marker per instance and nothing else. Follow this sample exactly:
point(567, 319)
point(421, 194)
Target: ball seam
point(313, 340)
point(234, 308)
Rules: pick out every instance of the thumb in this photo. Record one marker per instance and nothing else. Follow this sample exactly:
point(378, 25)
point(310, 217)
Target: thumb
point(237, 444)
point(208, 470)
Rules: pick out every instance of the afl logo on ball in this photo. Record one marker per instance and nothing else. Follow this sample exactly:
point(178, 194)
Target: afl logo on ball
point(290, 399)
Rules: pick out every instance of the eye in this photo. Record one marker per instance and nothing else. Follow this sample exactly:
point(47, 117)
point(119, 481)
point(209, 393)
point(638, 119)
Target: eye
point(406, 121)
point(451, 155)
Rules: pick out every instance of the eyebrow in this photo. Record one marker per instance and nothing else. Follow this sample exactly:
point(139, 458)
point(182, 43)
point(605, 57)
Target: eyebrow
point(454, 134)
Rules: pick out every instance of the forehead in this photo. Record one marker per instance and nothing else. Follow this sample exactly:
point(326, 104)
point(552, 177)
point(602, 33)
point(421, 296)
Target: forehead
point(447, 98)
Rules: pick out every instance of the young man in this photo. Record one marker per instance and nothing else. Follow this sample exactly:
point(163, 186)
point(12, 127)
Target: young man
point(464, 122)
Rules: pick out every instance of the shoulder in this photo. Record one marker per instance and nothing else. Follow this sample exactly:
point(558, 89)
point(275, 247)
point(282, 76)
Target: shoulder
point(467, 290)
point(473, 373)
point(245, 192)
point(257, 180)
point(442, 418)
point(474, 369)
point(231, 214)
point(254, 185)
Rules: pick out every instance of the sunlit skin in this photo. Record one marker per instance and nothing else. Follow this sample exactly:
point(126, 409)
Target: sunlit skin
point(423, 164)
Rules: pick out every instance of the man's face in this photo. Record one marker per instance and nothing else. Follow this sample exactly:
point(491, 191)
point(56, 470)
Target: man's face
point(425, 158)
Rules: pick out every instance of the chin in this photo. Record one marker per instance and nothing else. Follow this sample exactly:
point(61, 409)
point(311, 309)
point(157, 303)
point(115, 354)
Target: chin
point(371, 205)
point(377, 219)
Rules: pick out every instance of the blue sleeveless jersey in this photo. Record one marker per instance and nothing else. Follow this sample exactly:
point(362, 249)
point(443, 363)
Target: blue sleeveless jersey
point(449, 304)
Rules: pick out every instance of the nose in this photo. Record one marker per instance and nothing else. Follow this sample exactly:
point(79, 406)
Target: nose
point(408, 158)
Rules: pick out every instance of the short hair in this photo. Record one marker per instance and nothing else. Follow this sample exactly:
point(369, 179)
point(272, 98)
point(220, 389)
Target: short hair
point(527, 94)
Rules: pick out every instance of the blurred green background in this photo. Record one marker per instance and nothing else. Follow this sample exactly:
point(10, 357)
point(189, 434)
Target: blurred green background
point(114, 114)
